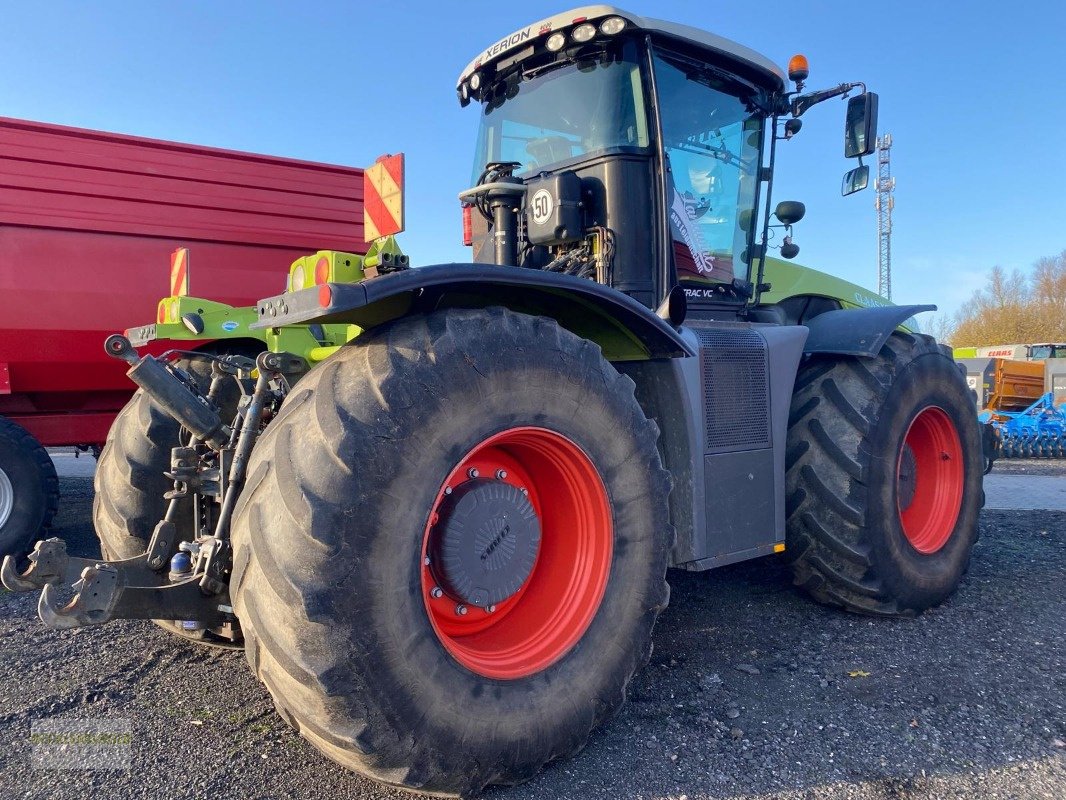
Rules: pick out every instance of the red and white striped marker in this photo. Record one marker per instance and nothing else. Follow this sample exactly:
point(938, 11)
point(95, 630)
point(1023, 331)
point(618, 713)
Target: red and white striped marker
point(179, 272)
point(383, 198)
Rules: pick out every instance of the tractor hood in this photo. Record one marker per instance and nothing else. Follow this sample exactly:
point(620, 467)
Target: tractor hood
point(789, 280)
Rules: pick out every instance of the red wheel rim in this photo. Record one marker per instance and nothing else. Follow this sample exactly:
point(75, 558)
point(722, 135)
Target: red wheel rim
point(929, 514)
point(550, 612)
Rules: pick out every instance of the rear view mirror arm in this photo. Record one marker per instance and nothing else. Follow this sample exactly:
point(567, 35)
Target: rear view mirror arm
point(800, 104)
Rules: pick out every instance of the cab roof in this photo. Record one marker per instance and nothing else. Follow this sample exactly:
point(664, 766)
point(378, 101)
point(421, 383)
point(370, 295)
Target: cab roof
point(770, 74)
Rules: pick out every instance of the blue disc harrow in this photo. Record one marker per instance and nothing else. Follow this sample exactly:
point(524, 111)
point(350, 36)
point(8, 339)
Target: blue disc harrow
point(1037, 432)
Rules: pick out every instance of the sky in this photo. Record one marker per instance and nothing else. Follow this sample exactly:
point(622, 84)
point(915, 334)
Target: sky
point(971, 92)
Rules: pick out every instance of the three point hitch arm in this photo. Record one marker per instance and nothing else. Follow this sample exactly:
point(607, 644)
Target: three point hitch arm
point(208, 470)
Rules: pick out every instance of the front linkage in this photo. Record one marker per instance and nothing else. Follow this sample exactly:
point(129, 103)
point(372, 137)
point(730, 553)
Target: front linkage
point(208, 471)
point(184, 572)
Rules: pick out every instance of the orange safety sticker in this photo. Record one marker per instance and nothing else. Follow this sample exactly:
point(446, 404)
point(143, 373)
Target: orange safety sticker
point(179, 272)
point(383, 198)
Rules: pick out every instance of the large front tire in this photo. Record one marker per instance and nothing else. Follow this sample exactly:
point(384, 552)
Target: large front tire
point(884, 472)
point(399, 668)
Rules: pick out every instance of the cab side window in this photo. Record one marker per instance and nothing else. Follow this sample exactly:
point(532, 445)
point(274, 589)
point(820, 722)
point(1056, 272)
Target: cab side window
point(711, 138)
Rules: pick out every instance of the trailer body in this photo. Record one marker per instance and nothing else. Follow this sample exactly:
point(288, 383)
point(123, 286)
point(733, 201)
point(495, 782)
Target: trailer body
point(88, 223)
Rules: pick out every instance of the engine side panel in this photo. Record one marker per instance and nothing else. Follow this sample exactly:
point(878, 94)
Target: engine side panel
point(723, 420)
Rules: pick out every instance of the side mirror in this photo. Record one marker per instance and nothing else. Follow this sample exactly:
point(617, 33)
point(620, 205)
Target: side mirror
point(856, 180)
point(789, 212)
point(860, 126)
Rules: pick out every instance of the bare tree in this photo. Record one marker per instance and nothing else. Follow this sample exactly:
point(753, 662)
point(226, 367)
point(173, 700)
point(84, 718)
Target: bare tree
point(1014, 308)
point(941, 327)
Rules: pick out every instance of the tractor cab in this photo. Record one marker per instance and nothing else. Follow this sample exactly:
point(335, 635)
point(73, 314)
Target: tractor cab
point(634, 152)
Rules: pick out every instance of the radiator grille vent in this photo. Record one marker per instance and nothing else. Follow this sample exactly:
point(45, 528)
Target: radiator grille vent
point(736, 389)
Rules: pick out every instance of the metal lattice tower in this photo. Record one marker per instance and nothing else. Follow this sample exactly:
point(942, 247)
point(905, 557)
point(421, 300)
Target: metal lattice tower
point(884, 204)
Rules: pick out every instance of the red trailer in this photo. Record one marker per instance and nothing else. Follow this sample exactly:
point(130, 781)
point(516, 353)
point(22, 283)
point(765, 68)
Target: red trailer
point(88, 221)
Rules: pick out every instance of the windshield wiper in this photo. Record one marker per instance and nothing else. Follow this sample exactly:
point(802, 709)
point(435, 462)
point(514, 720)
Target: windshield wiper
point(593, 54)
point(536, 72)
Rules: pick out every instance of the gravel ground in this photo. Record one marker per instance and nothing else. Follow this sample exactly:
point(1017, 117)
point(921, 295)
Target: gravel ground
point(1029, 466)
point(753, 691)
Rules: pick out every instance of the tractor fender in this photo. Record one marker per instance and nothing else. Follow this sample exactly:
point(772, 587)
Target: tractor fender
point(857, 331)
point(624, 329)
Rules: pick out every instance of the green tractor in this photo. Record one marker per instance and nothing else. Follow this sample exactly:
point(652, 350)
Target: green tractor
point(445, 545)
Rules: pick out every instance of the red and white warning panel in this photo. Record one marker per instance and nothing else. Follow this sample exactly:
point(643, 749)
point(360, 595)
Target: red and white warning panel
point(179, 272)
point(383, 198)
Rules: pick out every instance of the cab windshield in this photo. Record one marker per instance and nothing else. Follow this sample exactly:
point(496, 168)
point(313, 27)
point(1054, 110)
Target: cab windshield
point(543, 116)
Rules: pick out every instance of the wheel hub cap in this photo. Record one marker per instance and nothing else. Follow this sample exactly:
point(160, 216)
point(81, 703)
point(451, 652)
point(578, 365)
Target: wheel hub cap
point(908, 477)
point(485, 543)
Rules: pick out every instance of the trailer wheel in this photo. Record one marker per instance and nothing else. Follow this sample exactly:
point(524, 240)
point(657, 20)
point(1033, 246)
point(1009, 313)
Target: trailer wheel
point(130, 483)
point(29, 488)
point(884, 478)
point(452, 548)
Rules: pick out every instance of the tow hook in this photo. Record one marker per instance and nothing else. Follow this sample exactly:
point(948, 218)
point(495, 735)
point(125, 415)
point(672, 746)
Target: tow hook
point(48, 564)
point(103, 594)
point(96, 593)
point(211, 466)
point(134, 588)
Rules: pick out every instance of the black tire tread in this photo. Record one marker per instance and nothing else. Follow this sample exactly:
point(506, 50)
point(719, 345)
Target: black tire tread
point(129, 482)
point(297, 661)
point(835, 408)
point(49, 481)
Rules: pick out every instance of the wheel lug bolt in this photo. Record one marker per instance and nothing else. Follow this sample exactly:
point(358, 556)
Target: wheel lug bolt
point(460, 610)
point(490, 610)
point(472, 472)
point(525, 490)
point(426, 561)
point(501, 474)
point(447, 489)
point(436, 592)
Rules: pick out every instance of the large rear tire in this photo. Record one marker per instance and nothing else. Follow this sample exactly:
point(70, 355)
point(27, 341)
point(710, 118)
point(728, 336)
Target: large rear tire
point(387, 572)
point(130, 480)
point(884, 473)
point(29, 488)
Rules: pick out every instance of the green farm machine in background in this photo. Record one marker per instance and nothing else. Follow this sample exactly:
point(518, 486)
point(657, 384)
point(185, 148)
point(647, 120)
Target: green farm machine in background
point(436, 508)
